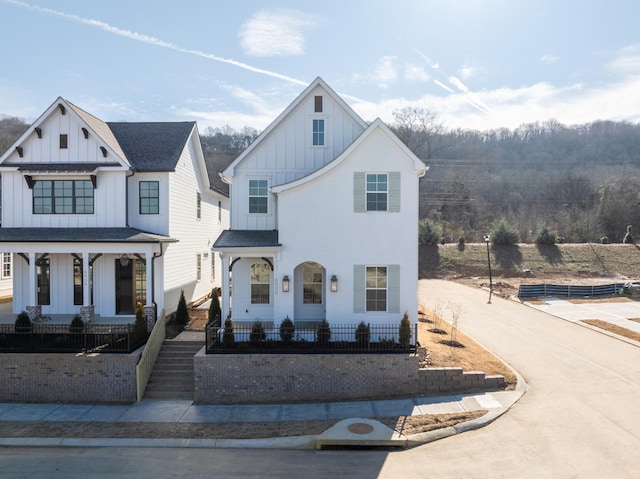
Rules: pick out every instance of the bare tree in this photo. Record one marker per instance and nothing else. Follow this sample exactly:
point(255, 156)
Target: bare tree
point(421, 130)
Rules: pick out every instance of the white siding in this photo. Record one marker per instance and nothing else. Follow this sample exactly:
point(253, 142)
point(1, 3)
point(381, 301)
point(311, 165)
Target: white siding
point(287, 154)
point(195, 235)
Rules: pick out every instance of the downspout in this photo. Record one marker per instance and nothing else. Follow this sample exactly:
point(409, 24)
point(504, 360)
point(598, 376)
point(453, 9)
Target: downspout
point(153, 278)
point(126, 193)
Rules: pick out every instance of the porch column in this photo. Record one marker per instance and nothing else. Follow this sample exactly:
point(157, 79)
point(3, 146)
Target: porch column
point(149, 279)
point(86, 280)
point(33, 280)
point(225, 288)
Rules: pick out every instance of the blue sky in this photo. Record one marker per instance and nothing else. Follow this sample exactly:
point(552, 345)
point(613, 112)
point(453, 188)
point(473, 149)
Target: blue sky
point(477, 64)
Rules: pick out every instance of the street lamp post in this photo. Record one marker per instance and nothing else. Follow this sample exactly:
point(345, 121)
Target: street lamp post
point(487, 238)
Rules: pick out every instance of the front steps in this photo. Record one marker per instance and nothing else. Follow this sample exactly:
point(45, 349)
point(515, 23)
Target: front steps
point(172, 375)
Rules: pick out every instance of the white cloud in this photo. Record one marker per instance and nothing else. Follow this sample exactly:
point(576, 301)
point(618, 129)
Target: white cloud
point(386, 71)
point(276, 32)
point(467, 71)
point(627, 60)
point(415, 73)
point(549, 59)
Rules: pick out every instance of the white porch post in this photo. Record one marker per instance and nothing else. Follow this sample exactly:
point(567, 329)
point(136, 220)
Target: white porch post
point(86, 280)
point(33, 280)
point(225, 287)
point(149, 279)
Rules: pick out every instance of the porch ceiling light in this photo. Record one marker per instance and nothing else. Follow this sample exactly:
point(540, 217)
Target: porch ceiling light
point(334, 284)
point(285, 284)
point(124, 260)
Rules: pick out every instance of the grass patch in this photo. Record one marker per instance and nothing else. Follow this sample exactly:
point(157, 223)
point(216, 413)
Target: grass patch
point(613, 328)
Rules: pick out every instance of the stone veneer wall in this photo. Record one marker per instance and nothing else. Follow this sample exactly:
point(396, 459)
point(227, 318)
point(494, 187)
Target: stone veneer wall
point(69, 378)
point(274, 378)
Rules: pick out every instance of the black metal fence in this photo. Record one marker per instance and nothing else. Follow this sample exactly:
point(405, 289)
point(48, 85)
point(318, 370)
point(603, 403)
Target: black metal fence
point(566, 291)
point(311, 339)
point(61, 338)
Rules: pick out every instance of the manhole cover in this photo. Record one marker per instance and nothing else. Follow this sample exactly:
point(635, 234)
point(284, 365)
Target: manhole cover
point(360, 428)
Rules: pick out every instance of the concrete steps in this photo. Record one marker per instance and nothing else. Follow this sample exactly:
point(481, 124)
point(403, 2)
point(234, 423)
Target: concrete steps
point(172, 376)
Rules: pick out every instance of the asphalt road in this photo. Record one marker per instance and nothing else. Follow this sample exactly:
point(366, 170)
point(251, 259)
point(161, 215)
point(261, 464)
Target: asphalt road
point(579, 419)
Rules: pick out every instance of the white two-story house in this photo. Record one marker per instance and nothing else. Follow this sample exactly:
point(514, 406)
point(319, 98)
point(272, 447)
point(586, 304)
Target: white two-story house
point(100, 216)
point(324, 219)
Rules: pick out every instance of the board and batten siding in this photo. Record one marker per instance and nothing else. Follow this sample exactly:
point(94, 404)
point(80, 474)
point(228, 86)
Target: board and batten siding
point(286, 154)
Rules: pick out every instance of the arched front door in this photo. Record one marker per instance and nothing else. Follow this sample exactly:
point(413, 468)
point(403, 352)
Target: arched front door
point(309, 292)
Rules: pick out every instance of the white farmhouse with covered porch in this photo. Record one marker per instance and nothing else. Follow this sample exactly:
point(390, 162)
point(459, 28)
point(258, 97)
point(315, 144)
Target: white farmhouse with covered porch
point(101, 216)
point(324, 219)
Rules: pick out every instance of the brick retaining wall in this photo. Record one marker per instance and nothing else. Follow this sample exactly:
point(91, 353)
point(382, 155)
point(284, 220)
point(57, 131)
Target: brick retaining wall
point(275, 378)
point(69, 378)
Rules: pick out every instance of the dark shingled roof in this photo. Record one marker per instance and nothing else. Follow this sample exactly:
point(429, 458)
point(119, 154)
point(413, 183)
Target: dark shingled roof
point(247, 239)
point(80, 235)
point(152, 146)
point(63, 166)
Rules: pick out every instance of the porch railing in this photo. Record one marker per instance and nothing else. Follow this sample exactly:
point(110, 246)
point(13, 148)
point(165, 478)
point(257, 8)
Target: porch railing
point(61, 338)
point(311, 339)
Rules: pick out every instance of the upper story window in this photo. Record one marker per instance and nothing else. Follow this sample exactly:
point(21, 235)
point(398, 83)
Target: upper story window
point(6, 265)
point(258, 195)
point(317, 104)
point(377, 191)
point(198, 205)
point(198, 266)
point(376, 288)
point(149, 197)
point(59, 197)
point(318, 132)
point(64, 140)
point(219, 211)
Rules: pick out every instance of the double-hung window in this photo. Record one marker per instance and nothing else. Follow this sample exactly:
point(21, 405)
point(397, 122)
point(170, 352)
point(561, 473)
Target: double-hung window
point(198, 205)
point(258, 195)
point(260, 283)
point(6, 265)
point(149, 197)
point(63, 197)
point(318, 132)
point(198, 266)
point(377, 190)
point(376, 288)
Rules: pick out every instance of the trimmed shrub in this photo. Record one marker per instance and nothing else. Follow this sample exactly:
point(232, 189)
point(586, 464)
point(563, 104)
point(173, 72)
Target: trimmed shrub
point(504, 235)
point(429, 233)
point(23, 323)
point(214, 309)
point(546, 237)
point(404, 332)
point(287, 329)
point(140, 326)
point(77, 325)
point(182, 313)
point(461, 241)
point(257, 334)
point(323, 333)
point(228, 337)
point(363, 334)
point(604, 240)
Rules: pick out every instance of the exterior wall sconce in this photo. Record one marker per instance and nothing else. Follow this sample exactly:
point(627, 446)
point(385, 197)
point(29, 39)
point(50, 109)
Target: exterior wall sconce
point(334, 284)
point(124, 260)
point(285, 284)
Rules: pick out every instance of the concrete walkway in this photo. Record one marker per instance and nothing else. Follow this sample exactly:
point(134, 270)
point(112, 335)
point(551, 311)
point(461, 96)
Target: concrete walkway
point(497, 403)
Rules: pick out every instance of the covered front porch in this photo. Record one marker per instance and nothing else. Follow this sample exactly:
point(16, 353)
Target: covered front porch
point(99, 273)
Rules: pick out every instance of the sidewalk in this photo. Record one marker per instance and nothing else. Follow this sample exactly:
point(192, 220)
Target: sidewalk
point(357, 424)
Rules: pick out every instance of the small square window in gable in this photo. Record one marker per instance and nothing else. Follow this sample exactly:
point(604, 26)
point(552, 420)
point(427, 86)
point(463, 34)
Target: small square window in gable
point(64, 139)
point(317, 104)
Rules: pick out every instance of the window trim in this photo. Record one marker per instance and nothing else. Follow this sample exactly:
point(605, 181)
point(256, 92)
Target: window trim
point(254, 282)
point(265, 196)
point(321, 133)
point(376, 192)
point(156, 197)
point(376, 288)
point(7, 265)
point(53, 197)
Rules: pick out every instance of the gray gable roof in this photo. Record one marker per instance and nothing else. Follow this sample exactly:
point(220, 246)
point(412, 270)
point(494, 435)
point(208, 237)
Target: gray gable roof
point(81, 235)
point(152, 146)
